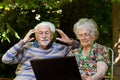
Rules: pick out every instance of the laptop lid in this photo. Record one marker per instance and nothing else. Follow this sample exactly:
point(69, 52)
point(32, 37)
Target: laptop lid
point(61, 68)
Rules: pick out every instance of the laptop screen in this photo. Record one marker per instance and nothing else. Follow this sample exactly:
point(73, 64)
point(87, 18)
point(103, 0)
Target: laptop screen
point(61, 68)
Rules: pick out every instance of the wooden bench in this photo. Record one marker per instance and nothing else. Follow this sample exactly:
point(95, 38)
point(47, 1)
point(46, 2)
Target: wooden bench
point(6, 78)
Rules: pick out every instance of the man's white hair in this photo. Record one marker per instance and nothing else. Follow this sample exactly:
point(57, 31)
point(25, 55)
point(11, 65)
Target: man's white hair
point(46, 23)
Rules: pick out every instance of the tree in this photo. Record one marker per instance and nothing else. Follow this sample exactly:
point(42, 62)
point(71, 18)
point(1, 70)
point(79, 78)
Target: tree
point(116, 32)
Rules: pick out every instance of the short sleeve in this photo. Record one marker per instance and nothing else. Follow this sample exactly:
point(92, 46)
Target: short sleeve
point(104, 55)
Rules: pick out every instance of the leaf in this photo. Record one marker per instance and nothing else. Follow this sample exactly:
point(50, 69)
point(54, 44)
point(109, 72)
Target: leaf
point(16, 35)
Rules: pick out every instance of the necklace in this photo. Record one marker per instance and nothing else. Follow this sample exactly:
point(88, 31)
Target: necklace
point(84, 57)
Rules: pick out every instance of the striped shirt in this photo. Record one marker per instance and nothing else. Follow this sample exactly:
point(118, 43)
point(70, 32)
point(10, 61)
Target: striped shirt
point(22, 54)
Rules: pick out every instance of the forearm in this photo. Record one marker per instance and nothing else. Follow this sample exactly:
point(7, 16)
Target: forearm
point(11, 56)
point(102, 68)
point(74, 43)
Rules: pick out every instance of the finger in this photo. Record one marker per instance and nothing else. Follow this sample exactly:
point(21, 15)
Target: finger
point(115, 45)
point(31, 39)
point(31, 32)
point(60, 32)
point(59, 39)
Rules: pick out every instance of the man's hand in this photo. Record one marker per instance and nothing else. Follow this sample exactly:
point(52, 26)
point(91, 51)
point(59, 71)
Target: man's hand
point(64, 38)
point(27, 38)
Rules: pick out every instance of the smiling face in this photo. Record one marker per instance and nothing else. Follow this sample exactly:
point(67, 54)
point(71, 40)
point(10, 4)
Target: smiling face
point(85, 37)
point(44, 36)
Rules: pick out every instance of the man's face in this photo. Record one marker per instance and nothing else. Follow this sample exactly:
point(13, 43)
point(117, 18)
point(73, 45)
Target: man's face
point(43, 36)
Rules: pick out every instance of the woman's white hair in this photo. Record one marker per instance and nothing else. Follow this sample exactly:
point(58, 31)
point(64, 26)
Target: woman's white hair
point(90, 24)
point(46, 23)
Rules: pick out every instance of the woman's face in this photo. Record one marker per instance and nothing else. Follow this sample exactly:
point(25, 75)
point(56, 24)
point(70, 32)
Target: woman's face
point(85, 37)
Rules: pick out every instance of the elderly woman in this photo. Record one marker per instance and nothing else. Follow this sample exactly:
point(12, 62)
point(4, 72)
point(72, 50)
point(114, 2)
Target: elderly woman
point(92, 58)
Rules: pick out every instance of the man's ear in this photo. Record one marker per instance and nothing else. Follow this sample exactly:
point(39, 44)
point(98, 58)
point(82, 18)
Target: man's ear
point(52, 35)
point(35, 35)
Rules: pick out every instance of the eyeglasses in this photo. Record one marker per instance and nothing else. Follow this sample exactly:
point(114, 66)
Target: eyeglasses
point(84, 35)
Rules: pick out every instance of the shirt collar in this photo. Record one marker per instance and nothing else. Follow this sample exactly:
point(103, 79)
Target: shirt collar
point(35, 44)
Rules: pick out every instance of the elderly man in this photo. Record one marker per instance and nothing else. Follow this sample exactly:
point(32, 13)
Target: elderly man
point(43, 47)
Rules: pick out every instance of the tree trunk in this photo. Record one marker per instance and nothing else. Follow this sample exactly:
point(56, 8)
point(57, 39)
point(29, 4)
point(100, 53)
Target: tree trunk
point(116, 33)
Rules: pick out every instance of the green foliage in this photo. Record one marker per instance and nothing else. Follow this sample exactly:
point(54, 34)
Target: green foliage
point(17, 13)
point(20, 15)
point(6, 29)
point(115, 1)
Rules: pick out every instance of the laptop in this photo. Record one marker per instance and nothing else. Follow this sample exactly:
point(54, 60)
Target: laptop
point(60, 68)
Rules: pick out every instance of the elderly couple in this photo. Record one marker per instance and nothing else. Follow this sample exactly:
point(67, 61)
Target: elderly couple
point(92, 58)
